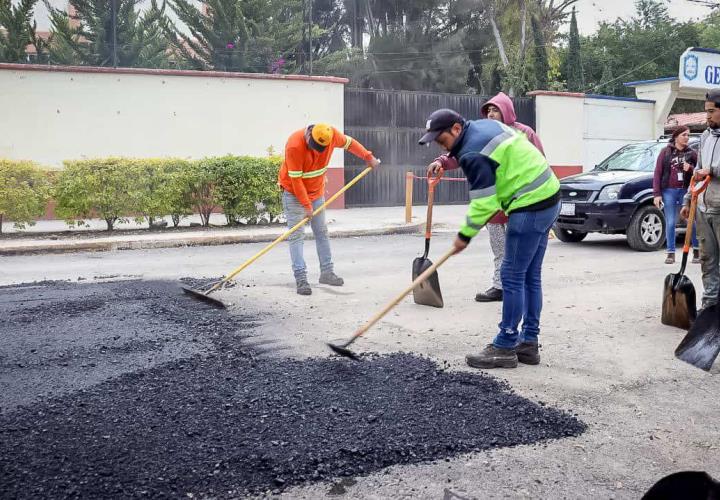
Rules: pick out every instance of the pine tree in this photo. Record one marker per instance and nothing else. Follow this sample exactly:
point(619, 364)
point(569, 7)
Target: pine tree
point(86, 37)
point(542, 66)
point(217, 37)
point(17, 30)
point(574, 69)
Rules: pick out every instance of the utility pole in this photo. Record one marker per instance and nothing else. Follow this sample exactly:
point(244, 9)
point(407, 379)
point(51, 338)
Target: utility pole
point(113, 21)
point(310, 44)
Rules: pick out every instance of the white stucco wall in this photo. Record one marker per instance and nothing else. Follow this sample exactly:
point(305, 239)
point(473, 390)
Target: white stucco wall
point(583, 130)
point(610, 124)
point(51, 116)
point(558, 122)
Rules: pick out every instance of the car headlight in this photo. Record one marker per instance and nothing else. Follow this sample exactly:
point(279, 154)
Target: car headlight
point(610, 192)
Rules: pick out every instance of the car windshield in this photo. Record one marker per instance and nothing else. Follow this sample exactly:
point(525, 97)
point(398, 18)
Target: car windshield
point(638, 157)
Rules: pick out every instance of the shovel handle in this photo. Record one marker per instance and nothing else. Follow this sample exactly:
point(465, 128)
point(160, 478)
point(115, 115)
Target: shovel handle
point(432, 182)
point(290, 231)
point(425, 275)
point(696, 188)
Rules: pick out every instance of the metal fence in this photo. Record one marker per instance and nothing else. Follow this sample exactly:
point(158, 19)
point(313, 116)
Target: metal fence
point(389, 123)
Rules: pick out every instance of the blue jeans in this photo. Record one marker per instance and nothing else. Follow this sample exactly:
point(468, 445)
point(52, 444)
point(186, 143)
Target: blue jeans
point(526, 239)
point(673, 198)
point(294, 212)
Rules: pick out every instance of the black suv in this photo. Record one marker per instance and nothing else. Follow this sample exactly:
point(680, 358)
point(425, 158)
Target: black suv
point(616, 198)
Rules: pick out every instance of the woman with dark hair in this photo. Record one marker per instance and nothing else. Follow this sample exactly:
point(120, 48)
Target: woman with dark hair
point(673, 172)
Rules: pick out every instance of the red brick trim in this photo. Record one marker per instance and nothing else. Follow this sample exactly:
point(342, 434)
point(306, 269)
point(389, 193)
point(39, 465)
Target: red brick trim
point(168, 72)
point(566, 170)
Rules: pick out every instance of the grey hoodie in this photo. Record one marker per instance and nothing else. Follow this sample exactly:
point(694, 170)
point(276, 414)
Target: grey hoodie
point(709, 157)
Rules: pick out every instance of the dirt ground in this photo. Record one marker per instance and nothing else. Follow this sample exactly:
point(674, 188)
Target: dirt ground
point(606, 357)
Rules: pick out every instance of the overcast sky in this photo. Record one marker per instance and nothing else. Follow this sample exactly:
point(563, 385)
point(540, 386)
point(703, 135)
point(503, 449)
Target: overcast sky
point(592, 12)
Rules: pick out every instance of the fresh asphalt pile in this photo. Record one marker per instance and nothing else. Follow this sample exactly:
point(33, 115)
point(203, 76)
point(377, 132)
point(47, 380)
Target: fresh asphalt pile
point(217, 419)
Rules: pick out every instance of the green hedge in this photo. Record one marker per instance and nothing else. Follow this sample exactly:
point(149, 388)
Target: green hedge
point(244, 187)
point(118, 189)
point(24, 192)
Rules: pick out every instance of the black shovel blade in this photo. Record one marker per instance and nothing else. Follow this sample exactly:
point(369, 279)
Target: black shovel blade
point(428, 292)
point(701, 345)
point(196, 294)
point(678, 305)
point(343, 351)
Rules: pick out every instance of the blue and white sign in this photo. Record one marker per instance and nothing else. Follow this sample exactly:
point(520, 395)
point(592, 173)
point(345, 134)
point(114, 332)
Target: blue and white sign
point(700, 69)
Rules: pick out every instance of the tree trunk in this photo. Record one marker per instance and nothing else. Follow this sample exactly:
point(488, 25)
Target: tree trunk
point(1, 223)
point(498, 38)
point(175, 219)
point(523, 26)
point(110, 223)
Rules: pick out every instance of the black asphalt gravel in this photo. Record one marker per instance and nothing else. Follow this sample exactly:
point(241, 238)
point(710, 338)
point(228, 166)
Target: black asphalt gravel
point(209, 417)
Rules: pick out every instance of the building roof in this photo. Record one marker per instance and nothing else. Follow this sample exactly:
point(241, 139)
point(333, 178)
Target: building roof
point(692, 120)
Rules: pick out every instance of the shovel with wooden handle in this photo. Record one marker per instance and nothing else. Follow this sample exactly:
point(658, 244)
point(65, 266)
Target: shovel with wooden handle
point(678, 305)
point(343, 350)
point(428, 292)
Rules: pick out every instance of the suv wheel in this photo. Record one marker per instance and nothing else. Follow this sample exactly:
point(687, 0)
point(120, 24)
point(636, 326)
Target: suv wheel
point(568, 235)
point(646, 231)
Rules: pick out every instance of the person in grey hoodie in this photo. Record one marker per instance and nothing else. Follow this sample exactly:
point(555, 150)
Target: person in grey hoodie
point(499, 108)
point(708, 210)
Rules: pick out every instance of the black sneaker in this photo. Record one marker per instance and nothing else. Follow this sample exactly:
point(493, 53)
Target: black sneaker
point(492, 294)
point(696, 256)
point(493, 357)
point(528, 354)
point(303, 287)
point(330, 278)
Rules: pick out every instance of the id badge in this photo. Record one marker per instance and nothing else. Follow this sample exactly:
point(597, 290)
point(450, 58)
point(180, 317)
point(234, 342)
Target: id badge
point(680, 176)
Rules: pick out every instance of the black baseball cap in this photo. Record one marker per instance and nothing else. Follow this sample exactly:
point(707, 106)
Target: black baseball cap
point(439, 121)
point(713, 96)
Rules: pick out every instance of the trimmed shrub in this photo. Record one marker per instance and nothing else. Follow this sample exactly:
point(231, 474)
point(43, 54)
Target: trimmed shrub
point(246, 187)
point(110, 188)
point(24, 192)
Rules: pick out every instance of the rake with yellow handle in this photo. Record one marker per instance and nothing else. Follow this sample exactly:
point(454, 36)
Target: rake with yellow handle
point(205, 295)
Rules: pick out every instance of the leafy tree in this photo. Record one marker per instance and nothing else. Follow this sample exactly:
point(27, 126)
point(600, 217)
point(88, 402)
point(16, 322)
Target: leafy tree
point(710, 31)
point(24, 192)
point(646, 46)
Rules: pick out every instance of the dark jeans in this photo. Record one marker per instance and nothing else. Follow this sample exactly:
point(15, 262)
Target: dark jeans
point(525, 243)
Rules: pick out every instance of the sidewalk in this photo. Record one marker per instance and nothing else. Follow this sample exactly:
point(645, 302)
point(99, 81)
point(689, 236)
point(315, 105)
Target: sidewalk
point(55, 237)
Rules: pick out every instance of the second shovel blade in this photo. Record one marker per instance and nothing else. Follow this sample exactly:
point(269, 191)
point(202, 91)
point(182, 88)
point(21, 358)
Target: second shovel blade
point(428, 292)
point(678, 305)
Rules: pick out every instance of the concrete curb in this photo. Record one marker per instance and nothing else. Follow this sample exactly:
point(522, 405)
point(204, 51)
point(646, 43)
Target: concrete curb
point(221, 239)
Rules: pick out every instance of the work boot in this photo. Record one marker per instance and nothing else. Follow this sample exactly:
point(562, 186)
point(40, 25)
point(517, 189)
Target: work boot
point(493, 357)
point(528, 354)
point(696, 256)
point(670, 259)
point(303, 287)
point(492, 294)
point(330, 278)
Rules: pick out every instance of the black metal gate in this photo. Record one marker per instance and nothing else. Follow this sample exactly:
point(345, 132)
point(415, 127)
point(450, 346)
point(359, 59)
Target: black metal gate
point(389, 123)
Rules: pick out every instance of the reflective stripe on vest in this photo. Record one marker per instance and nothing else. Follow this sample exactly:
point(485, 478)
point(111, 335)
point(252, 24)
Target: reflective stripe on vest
point(539, 181)
point(483, 193)
point(471, 224)
point(314, 173)
point(348, 141)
